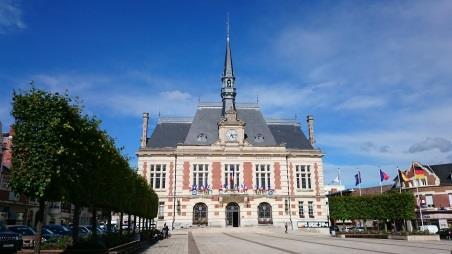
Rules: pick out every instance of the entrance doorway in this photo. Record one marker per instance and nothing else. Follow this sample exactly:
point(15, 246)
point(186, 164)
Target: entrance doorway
point(200, 214)
point(233, 214)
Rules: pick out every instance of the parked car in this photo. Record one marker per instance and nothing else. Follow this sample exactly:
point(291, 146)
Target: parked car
point(9, 241)
point(445, 233)
point(27, 233)
point(58, 229)
point(83, 232)
point(99, 231)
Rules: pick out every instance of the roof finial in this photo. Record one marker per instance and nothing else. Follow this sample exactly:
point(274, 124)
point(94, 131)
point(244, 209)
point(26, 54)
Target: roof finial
point(227, 26)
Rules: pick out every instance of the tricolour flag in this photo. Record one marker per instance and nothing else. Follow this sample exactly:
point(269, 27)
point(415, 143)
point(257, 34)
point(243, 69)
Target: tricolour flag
point(402, 176)
point(419, 173)
point(336, 180)
point(358, 178)
point(383, 176)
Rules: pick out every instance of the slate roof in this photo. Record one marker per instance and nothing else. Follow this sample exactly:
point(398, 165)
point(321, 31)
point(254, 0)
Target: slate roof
point(169, 134)
point(443, 171)
point(291, 135)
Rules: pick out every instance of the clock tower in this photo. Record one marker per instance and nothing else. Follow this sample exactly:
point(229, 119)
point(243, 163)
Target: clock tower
point(231, 129)
point(228, 90)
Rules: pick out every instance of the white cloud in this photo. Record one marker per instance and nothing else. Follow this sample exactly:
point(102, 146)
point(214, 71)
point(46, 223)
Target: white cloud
point(361, 102)
point(442, 144)
point(10, 16)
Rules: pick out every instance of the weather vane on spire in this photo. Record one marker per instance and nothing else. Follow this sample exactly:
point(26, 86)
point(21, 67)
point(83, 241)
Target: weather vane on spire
point(227, 25)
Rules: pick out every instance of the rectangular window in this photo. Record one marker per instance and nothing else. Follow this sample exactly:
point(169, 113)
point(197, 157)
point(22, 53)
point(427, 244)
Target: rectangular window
point(200, 176)
point(263, 176)
point(450, 200)
point(303, 177)
point(429, 200)
point(157, 175)
point(311, 209)
point(301, 209)
point(231, 176)
point(161, 210)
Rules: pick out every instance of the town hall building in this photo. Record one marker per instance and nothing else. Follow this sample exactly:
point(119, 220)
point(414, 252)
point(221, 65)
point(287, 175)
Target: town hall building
point(228, 166)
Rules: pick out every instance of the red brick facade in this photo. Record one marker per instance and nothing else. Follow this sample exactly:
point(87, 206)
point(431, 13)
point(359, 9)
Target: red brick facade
point(186, 176)
point(277, 167)
point(145, 170)
point(316, 177)
point(248, 174)
point(216, 175)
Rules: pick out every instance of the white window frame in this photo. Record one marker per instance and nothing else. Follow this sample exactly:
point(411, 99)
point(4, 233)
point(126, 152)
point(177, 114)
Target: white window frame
point(303, 177)
point(157, 176)
point(311, 209)
point(429, 201)
point(263, 176)
point(231, 171)
point(161, 214)
point(301, 209)
point(200, 175)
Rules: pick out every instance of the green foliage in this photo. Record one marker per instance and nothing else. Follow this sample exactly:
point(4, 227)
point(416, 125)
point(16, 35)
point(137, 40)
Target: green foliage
point(58, 154)
point(57, 244)
point(392, 206)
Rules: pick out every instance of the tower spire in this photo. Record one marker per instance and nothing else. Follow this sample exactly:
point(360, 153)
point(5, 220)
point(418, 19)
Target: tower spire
point(228, 79)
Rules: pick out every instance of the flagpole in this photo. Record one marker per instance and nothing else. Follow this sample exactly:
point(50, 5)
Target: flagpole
point(417, 193)
point(381, 187)
point(359, 185)
point(399, 174)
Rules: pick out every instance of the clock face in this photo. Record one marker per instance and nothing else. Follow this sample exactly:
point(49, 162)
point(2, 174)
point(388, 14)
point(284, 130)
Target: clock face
point(231, 135)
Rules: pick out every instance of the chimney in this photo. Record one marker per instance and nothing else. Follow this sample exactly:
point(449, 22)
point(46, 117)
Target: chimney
point(144, 134)
point(310, 120)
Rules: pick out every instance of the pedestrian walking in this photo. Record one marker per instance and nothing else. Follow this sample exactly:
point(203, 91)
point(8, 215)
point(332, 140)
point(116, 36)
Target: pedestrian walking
point(285, 226)
point(166, 231)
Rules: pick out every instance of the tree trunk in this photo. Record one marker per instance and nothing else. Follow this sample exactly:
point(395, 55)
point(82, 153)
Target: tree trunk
point(120, 223)
point(109, 221)
point(129, 218)
point(94, 222)
point(139, 224)
point(76, 223)
point(40, 218)
point(134, 223)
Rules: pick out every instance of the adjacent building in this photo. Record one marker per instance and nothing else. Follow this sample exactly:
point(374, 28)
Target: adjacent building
point(14, 208)
point(228, 166)
point(432, 186)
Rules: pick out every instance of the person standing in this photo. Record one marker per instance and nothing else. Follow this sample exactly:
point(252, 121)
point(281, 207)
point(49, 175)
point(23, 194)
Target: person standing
point(285, 226)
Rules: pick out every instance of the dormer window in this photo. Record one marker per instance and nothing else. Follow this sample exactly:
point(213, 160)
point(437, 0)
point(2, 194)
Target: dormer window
point(259, 138)
point(202, 137)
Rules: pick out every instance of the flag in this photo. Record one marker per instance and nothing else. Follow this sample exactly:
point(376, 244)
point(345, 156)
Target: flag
point(383, 176)
point(336, 180)
point(419, 173)
point(358, 178)
point(402, 176)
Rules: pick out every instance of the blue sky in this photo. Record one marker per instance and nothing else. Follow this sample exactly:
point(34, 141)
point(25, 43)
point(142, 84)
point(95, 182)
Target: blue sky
point(376, 75)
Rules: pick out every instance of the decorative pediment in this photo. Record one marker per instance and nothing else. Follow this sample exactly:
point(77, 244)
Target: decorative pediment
point(231, 119)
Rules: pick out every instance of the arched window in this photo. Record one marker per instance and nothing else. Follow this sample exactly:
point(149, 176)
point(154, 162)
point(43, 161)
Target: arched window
point(264, 213)
point(200, 214)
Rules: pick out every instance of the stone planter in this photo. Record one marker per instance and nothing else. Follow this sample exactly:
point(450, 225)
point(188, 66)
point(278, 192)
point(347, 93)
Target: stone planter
point(415, 237)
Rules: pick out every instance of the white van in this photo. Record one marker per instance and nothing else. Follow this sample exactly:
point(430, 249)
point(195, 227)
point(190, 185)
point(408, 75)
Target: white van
point(432, 229)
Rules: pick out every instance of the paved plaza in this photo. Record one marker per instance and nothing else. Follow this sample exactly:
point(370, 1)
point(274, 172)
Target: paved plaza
point(269, 241)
